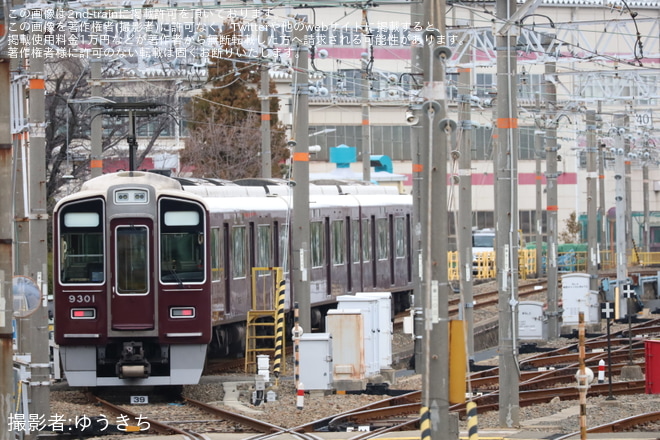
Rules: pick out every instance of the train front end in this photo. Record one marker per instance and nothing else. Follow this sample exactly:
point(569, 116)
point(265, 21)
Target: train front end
point(132, 282)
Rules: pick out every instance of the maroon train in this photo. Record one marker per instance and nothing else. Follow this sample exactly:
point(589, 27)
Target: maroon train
point(152, 272)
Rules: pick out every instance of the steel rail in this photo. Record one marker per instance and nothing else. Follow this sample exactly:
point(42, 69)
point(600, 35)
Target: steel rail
point(619, 425)
point(154, 426)
point(257, 425)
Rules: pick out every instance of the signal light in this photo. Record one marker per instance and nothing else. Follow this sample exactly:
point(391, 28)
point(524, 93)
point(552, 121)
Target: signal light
point(182, 312)
point(83, 313)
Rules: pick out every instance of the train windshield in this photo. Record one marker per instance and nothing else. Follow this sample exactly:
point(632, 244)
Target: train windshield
point(81, 258)
point(182, 256)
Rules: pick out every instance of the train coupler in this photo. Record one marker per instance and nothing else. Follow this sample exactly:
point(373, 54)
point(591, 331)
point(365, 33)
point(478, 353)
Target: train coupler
point(133, 362)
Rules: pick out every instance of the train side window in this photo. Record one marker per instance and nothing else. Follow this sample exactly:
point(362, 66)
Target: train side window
point(239, 252)
point(400, 236)
point(284, 247)
point(382, 239)
point(216, 254)
point(264, 246)
point(82, 255)
point(366, 239)
point(355, 240)
point(338, 242)
point(317, 244)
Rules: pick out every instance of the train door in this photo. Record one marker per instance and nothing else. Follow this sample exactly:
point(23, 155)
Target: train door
point(400, 250)
point(367, 247)
point(261, 239)
point(132, 303)
point(320, 275)
point(355, 255)
point(654, 239)
point(218, 273)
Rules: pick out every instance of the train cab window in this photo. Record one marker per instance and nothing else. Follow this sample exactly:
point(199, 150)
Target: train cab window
point(382, 239)
point(132, 265)
point(366, 239)
point(239, 252)
point(338, 243)
point(182, 254)
point(317, 244)
point(400, 237)
point(82, 256)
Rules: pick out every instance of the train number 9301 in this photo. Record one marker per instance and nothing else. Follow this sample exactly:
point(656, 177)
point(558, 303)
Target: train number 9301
point(82, 299)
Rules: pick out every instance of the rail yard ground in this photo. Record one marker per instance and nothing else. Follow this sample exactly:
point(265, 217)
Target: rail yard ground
point(547, 420)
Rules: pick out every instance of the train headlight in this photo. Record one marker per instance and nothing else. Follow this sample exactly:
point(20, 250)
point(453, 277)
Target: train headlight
point(182, 312)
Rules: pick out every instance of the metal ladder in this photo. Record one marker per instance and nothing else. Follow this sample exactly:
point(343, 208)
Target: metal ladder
point(265, 320)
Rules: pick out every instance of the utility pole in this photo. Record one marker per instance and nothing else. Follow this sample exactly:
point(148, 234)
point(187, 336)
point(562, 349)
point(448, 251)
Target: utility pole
point(592, 217)
point(628, 169)
point(6, 240)
point(96, 157)
point(464, 226)
point(646, 157)
point(300, 230)
point(552, 207)
point(538, 147)
point(618, 132)
point(506, 212)
point(602, 209)
point(367, 65)
point(413, 116)
point(266, 160)
point(434, 414)
point(38, 221)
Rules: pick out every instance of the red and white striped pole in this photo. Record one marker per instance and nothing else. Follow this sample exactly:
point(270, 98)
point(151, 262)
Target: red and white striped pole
point(300, 396)
point(601, 371)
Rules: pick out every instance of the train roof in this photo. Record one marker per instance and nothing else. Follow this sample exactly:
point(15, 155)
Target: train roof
point(213, 191)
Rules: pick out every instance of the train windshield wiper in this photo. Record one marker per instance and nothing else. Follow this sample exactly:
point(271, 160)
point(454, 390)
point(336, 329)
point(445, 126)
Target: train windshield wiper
point(176, 275)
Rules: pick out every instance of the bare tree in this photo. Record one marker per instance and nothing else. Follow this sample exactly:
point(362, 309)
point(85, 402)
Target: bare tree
point(68, 117)
point(225, 151)
point(224, 138)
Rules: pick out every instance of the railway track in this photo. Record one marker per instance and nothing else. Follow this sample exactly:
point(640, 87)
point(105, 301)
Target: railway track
point(481, 300)
point(543, 376)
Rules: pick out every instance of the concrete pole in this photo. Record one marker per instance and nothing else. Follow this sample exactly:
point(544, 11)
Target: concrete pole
point(506, 214)
point(620, 205)
point(435, 283)
point(300, 230)
point(266, 160)
point(551, 175)
point(416, 141)
point(645, 191)
point(538, 147)
point(602, 209)
point(6, 239)
point(96, 158)
point(367, 64)
point(38, 221)
point(464, 225)
point(628, 170)
point(592, 193)
point(366, 127)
